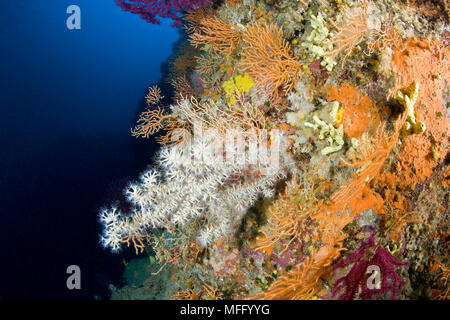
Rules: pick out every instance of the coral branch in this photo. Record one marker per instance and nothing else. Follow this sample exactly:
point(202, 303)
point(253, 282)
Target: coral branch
point(216, 35)
point(355, 282)
point(149, 10)
point(267, 58)
point(349, 35)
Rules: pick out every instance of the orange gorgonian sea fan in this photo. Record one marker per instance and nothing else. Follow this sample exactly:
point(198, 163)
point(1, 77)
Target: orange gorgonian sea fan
point(305, 280)
point(233, 3)
point(187, 294)
point(267, 58)
point(216, 35)
point(287, 217)
point(300, 284)
point(194, 18)
point(154, 95)
point(152, 121)
point(183, 88)
point(374, 154)
point(349, 35)
point(149, 123)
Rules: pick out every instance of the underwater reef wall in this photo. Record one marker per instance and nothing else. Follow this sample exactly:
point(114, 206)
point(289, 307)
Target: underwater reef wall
point(305, 155)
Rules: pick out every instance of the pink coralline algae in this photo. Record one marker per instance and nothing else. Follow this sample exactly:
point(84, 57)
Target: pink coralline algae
point(149, 10)
point(358, 281)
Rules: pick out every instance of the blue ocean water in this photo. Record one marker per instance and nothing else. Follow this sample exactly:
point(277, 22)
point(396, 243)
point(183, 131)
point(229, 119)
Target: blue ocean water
point(68, 99)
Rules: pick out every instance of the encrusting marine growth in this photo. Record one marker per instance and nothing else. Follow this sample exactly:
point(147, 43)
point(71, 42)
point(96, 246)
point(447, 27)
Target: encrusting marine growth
point(304, 154)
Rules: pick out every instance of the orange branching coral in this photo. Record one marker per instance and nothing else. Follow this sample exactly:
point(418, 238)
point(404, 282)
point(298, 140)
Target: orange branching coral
point(354, 196)
point(177, 251)
point(445, 275)
point(349, 34)
point(194, 18)
point(188, 294)
point(305, 3)
point(181, 64)
point(216, 35)
point(210, 293)
point(204, 116)
point(398, 212)
point(375, 151)
point(373, 155)
point(175, 132)
point(137, 243)
point(233, 3)
point(150, 122)
point(446, 181)
point(183, 88)
point(386, 36)
point(427, 63)
point(183, 60)
point(172, 251)
point(154, 95)
point(351, 199)
point(206, 66)
point(400, 219)
point(191, 252)
point(286, 217)
point(299, 284)
point(267, 58)
point(360, 113)
point(304, 280)
point(210, 116)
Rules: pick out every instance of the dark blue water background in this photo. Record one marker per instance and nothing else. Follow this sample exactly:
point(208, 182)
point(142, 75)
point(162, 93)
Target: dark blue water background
point(68, 99)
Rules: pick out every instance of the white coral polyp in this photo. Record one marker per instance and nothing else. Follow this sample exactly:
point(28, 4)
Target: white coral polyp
point(186, 187)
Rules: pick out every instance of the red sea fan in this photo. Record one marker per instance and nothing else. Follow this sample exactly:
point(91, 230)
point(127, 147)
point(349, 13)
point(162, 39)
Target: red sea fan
point(150, 10)
point(356, 281)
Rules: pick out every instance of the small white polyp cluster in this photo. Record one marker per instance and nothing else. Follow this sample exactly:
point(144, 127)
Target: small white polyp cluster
point(187, 185)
